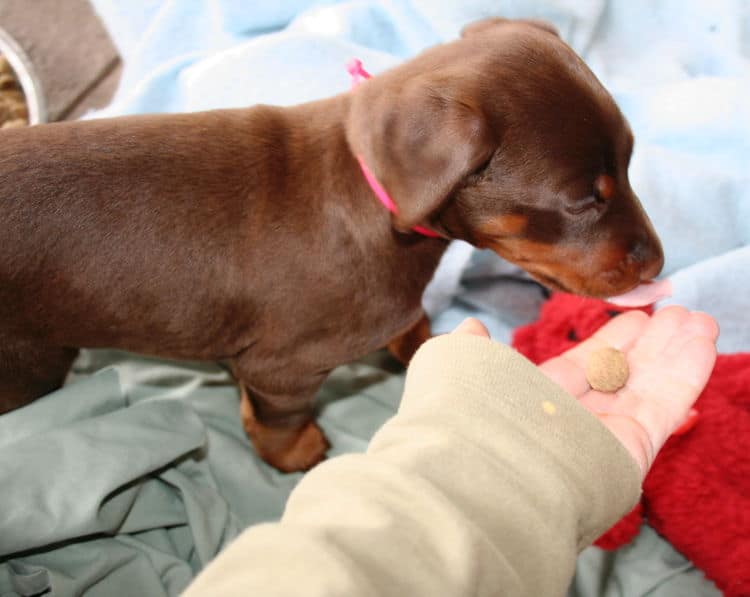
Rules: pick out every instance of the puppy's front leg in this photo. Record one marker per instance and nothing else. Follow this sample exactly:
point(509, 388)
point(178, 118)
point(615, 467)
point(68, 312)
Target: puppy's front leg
point(405, 345)
point(281, 425)
point(289, 449)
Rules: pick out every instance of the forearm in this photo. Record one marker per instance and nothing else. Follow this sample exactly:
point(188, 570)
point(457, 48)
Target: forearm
point(489, 480)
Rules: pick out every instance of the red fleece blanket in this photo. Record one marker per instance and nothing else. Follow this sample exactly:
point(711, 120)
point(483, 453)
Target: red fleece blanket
point(697, 494)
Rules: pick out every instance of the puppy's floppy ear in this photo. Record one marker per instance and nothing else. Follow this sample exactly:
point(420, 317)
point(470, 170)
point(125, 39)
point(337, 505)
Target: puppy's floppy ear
point(486, 24)
point(420, 141)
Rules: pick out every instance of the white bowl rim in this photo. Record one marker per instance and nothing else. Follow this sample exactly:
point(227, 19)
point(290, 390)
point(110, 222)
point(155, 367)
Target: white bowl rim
point(24, 72)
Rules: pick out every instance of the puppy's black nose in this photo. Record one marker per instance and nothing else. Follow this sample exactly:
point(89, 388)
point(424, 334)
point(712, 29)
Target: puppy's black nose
point(649, 255)
point(652, 269)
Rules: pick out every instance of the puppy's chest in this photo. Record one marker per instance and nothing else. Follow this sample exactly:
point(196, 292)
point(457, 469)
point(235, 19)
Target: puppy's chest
point(383, 302)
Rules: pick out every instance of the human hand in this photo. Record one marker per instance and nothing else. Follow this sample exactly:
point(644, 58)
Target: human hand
point(670, 355)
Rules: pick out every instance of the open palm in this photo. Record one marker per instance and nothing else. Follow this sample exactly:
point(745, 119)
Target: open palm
point(670, 355)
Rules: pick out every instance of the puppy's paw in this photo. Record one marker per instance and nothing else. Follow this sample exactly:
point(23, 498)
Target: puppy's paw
point(287, 449)
point(307, 449)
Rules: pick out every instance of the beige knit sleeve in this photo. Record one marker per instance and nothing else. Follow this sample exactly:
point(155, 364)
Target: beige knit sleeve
point(488, 481)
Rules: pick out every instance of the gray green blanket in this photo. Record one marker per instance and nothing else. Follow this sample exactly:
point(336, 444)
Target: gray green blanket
point(132, 477)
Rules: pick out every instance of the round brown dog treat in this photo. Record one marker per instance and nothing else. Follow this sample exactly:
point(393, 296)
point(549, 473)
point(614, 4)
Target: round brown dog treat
point(607, 370)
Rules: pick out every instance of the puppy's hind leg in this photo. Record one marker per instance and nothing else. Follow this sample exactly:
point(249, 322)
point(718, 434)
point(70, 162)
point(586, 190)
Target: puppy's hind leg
point(30, 369)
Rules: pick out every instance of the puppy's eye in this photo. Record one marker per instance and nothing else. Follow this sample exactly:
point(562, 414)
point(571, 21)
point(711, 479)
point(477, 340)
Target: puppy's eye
point(583, 205)
point(482, 167)
point(604, 188)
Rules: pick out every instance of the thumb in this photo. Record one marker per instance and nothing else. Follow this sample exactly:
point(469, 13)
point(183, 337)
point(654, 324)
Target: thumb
point(472, 326)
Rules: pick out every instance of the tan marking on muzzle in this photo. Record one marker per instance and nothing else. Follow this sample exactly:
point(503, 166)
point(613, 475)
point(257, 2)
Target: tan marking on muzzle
point(505, 225)
point(597, 272)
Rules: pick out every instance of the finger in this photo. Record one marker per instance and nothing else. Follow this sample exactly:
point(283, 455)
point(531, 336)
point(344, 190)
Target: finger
point(698, 325)
point(659, 397)
point(684, 345)
point(702, 324)
point(621, 333)
point(659, 334)
point(697, 363)
point(569, 369)
point(680, 378)
point(472, 326)
point(566, 374)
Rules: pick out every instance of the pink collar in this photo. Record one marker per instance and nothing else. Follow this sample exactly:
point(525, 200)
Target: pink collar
point(359, 75)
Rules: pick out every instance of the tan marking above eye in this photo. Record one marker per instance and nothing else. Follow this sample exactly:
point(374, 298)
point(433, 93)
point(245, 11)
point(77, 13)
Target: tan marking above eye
point(605, 187)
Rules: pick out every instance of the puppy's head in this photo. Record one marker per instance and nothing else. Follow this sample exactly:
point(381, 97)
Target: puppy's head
point(506, 139)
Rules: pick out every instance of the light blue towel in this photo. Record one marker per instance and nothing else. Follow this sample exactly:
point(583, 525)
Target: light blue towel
point(679, 70)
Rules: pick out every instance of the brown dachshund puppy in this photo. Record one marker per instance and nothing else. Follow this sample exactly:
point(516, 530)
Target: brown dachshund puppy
point(252, 236)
